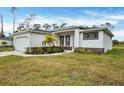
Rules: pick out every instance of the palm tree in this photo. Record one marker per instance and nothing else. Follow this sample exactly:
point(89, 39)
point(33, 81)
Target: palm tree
point(49, 39)
point(13, 9)
point(63, 25)
point(54, 26)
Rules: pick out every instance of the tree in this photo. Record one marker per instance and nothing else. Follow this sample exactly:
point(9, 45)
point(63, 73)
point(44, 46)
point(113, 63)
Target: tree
point(49, 39)
point(109, 25)
point(32, 16)
point(36, 26)
point(115, 42)
point(54, 26)
point(63, 25)
point(13, 10)
point(21, 27)
point(46, 26)
point(27, 22)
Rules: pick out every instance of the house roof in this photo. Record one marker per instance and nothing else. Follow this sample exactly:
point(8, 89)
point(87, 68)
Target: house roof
point(99, 29)
point(32, 31)
point(70, 27)
point(81, 28)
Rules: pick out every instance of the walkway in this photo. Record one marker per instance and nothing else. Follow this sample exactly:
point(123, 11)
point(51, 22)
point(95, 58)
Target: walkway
point(7, 53)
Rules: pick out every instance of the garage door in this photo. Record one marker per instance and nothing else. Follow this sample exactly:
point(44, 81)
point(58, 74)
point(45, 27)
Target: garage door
point(21, 43)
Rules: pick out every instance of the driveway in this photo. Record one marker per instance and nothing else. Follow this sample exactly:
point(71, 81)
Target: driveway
point(7, 53)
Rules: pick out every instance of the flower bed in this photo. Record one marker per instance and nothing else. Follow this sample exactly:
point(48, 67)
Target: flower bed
point(44, 50)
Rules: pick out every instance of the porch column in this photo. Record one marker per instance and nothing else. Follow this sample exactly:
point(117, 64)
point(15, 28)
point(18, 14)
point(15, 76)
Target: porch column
point(76, 39)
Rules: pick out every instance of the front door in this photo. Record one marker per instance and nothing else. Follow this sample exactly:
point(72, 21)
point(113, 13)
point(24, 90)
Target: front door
point(61, 40)
point(67, 40)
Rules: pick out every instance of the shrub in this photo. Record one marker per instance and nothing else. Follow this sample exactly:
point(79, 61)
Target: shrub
point(49, 50)
point(44, 50)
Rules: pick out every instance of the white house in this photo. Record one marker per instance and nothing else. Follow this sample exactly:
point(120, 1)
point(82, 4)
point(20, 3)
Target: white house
point(7, 40)
point(98, 39)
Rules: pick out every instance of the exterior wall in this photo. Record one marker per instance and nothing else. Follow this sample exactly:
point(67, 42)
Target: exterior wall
point(71, 33)
point(76, 38)
point(36, 39)
point(9, 43)
point(91, 43)
point(107, 42)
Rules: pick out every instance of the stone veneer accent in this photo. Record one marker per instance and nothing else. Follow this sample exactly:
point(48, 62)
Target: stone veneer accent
point(94, 50)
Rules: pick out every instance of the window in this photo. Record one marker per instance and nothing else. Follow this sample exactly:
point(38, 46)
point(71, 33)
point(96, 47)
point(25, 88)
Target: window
point(61, 40)
point(90, 36)
point(67, 38)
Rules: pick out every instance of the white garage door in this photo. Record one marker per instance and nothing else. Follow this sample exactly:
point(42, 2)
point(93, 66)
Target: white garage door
point(21, 43)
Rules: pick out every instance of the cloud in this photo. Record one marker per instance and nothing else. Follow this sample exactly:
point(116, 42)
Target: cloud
point(90, 12)
point(112, 18)
point(116, 17)
point(72, 20)
point(119, 35)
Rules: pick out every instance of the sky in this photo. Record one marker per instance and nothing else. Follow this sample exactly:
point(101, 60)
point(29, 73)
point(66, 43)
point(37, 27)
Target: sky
point(85, 16)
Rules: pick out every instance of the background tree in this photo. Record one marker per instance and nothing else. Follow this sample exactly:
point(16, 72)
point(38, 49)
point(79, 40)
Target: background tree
point(63, 25)
point(27, 23)
point(36, 26)
point(46, 26)
point(21, 27)
point(54, 26)
point(13, 10)
point(32, 16)
point(109, 25)
point(115, 42)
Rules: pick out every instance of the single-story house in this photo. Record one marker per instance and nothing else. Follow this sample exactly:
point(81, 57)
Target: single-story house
point(98, 39)
point(5, 41)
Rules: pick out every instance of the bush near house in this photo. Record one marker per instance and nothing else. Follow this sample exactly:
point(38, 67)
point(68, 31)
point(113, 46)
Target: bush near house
point(44, 50)
point(83, 51)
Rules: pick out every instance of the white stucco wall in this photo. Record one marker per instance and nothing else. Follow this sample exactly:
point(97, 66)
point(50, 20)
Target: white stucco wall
point(76, 38)
point(107, 42)
point(36, 39)
point(91, 43)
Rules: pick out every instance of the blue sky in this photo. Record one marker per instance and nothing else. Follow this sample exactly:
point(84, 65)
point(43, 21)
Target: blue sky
point(72, 16)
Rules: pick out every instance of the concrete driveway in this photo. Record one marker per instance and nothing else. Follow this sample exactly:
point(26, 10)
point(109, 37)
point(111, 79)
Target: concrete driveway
point(7, 53)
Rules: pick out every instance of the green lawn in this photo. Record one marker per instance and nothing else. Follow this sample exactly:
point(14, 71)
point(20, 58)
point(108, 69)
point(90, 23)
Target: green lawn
point(68, 69)
point(6, 49)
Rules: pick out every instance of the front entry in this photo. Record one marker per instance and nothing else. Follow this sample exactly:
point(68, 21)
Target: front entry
point(65, 42)
point(61, 40)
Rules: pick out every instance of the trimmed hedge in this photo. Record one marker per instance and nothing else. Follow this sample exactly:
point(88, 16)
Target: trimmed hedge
point(44, 50)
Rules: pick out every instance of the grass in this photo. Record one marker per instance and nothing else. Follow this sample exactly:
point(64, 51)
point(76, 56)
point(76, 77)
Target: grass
point(6, 49)
point(68, 69)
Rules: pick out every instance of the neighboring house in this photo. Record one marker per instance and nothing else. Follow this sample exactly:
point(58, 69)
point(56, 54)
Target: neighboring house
point(5, 41)
point(97, 39)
